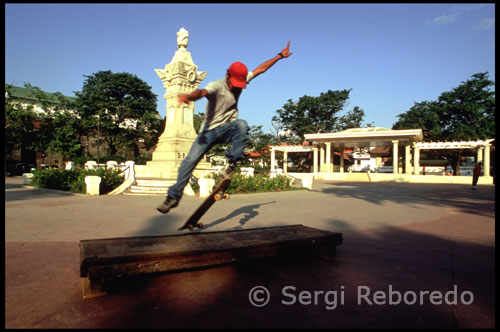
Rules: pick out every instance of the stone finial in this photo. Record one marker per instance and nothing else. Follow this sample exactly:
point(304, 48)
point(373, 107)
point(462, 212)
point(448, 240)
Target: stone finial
point(182, 38)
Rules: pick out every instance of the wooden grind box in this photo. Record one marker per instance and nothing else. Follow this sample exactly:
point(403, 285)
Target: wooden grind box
point(104, 259)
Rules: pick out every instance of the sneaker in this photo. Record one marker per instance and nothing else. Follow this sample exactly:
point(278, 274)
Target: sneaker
point(167, 205)
point(228, 170)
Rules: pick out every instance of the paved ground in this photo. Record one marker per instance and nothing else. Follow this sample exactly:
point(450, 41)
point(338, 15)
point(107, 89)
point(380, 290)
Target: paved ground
point(399, 238)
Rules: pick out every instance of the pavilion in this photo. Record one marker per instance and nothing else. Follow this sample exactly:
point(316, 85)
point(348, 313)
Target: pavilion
point(411, 139)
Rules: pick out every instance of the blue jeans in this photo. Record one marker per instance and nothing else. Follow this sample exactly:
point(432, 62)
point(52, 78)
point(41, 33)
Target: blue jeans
point(236, 132)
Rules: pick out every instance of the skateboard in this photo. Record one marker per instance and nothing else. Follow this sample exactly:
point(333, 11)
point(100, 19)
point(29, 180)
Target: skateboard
point(216, 195)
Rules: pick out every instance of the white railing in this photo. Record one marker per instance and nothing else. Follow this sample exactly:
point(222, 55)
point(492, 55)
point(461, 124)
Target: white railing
point(127, 168)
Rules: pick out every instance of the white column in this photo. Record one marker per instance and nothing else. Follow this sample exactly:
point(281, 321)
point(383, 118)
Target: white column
point(273, 160)
point(329, 167)
point(341, 160)
point(416, 160)
point(395, 161)
point(322, 159)
point(480, 152)
point(315, 160)
point(407, 159)
point(486, 160)
point(285, 161)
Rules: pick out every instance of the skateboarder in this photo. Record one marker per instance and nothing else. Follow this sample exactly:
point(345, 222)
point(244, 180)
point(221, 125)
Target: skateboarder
point(220, 123)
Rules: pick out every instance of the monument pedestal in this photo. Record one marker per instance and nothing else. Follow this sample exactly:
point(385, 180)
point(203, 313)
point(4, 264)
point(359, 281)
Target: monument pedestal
point(180, 76)
point(169, 155)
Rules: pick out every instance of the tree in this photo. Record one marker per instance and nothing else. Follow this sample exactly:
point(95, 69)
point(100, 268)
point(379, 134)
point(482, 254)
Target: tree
point(60, 127)
point(197, 120)
point(19, 125)
point(319, 114)
point(423, 115)
point(56, 130)
point(467, 112)
point(353, 119)
point(260, 142)
point(123, 107)
point(278, 126)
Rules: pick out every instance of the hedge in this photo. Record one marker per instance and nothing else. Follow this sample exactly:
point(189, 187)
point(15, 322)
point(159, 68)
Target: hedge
point(74, 180)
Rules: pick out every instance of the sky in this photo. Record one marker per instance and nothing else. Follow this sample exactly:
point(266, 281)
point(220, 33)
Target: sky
point(390, 55)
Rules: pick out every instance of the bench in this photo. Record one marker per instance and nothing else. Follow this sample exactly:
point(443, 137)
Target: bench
point(104, 259)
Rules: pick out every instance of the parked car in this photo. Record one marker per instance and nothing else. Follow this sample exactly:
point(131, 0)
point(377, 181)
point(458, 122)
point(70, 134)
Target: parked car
point(19, 169)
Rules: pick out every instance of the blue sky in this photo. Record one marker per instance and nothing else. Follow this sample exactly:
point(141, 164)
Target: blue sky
point(390, 55)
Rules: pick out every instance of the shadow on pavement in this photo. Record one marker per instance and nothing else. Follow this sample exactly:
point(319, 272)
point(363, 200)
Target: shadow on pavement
point(248, 212)
point(172, 221)
point(455, 195)
point(17, 192)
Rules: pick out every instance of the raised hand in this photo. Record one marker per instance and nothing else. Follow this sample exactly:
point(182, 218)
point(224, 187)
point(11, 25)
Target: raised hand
point(286, 51)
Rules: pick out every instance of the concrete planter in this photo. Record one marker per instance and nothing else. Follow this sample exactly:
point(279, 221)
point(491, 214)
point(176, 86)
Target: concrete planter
point(92, 183)
point(27, 178)
point(206, 186)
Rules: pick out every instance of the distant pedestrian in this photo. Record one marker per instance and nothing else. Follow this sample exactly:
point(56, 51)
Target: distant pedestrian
point(475, 174)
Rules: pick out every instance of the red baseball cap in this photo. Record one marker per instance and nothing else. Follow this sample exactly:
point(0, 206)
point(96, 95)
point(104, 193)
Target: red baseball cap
point(238, 75)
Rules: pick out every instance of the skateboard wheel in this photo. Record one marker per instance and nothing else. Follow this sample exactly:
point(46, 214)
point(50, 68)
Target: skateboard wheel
point(190, 227)
point(226, 196)
point(217, 197)
point(200, 225)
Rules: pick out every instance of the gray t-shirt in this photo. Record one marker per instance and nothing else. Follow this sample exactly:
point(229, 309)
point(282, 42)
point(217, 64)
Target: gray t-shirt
point(222, 105)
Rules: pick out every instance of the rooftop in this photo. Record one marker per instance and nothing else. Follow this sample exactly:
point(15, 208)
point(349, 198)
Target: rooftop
point(370, 136)
point(17, 92)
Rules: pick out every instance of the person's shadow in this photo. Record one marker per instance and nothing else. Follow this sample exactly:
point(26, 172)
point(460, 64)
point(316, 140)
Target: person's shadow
point(248, 213)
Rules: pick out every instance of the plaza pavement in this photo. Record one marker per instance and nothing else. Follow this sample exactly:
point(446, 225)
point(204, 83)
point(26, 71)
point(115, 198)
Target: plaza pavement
point(410, 238)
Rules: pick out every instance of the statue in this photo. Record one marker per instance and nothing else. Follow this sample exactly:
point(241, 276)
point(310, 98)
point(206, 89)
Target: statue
point(182, 38)
point(181, 75)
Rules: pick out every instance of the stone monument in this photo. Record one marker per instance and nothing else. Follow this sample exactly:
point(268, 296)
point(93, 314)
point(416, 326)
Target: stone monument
point(181, 75)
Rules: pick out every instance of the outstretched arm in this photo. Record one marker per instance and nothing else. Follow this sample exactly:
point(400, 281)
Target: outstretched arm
point(263, 67)
point(193, 96)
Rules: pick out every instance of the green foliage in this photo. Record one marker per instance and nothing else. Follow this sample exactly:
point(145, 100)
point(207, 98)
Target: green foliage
point(317, 114)
point(19, 128)
point(57, 130)
point(261, 182)
point(143, 159)
point(197, 120)
point(60, 129)
point(352, 119)
point(194, 185)
point(122, 108)
point(59, 179)
point(74, 180)
point(62, 132)
point(278, 125)
point(260, 141)
point(467, 112)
